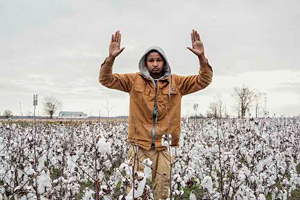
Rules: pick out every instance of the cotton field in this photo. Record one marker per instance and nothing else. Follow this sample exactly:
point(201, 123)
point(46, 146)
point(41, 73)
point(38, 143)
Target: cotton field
point(237, 159)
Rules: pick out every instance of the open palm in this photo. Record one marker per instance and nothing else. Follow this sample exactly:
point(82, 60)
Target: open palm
point(115, 45)
point(197, 45)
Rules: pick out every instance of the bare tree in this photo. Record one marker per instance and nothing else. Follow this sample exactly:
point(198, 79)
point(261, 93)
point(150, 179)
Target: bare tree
point(212, 110)
point(108, 108)
point(8, 113)
point(51, 105)
point(216, 108)
point(244, 98)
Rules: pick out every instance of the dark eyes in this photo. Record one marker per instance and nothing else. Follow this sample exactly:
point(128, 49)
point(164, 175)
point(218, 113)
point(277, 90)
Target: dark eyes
point(152, 60)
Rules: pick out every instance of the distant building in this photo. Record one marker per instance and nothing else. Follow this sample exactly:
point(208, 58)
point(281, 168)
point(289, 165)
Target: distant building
point(70, 114)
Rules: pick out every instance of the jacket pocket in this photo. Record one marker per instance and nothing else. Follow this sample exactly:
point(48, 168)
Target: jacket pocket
point(142, 97)
point(138, 88)
point(173, 98)
point(138, 93)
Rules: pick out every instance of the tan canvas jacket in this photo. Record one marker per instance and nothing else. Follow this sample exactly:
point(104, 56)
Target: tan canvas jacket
point(143, 129)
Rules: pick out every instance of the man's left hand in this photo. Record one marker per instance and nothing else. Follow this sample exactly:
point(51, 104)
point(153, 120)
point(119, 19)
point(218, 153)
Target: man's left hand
point(197, 45)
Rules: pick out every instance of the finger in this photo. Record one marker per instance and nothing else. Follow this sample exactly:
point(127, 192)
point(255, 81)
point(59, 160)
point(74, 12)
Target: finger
point(116, 36)
point(198, 36)
point(192, 36)
point(190, 49)
point(120, 51)
point(119, 38)
point(112, 37)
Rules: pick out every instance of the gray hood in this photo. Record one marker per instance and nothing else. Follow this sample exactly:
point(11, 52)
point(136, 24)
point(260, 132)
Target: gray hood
point(143, 68)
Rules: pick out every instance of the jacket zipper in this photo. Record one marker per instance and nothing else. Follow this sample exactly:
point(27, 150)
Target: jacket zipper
point(154, 117)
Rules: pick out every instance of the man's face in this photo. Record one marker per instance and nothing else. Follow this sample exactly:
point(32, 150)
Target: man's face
point(155, 64)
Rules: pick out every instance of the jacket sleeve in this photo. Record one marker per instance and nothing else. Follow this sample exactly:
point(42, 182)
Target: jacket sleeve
point(116, 81)
point(194, 83)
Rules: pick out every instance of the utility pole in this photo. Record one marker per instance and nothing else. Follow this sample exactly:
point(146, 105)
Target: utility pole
point(21, 113)
point(35, 103)
point(265, 106)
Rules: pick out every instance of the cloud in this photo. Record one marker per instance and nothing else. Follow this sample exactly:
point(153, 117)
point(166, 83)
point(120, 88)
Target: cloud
point(56, 47)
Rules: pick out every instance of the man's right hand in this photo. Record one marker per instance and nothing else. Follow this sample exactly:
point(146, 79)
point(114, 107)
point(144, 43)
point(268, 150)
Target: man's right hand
point(114, 47)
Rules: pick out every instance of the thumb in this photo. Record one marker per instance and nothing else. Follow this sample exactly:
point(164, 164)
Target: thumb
point(120, 51)
point(192, 50)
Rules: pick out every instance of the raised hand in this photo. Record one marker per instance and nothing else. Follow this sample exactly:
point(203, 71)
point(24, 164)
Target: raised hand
point(197, 45)
point(114, 47)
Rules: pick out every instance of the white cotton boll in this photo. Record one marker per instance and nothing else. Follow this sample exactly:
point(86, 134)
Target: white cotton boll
point(241, 176)
point(125, 167)
point(181, 141)
point(147, 168)
point(88, 195)
point(17, 188)
point(176, 193)
point(177, 178)
point(166, 140)
point(207, 184)
point(193, 196)
point(122, 197)
point(182, 183)
point(282, 170)
point(103, 147)
point(31, 196)
point(72, 179)
point(71, 160)
point(2, 190)
point(21, 198)
point(44, 182)
point(2, 172)
point(41, 162)
point(140, 183)
point(181, 193)
point(107, 164)
point(273, 195)
point(252, 179)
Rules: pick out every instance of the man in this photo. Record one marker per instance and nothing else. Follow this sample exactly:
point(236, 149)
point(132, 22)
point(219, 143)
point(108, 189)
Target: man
point(155, 104)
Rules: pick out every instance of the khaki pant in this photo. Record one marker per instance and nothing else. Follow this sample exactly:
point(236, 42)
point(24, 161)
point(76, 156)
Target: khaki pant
point(160, 168)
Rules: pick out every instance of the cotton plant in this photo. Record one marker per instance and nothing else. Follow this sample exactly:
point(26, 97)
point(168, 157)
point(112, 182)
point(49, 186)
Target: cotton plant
point(102, 146)
point(125, 166)
point(178, 193)
point(138, 187)
point(166, 140)
point(207, 184)
point(147, 168)
point(44, 182)
point(192, 196)
point(88, 194)
point(254, 156)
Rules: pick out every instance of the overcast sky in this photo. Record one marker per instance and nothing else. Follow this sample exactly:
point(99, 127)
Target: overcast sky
point(55, 48)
